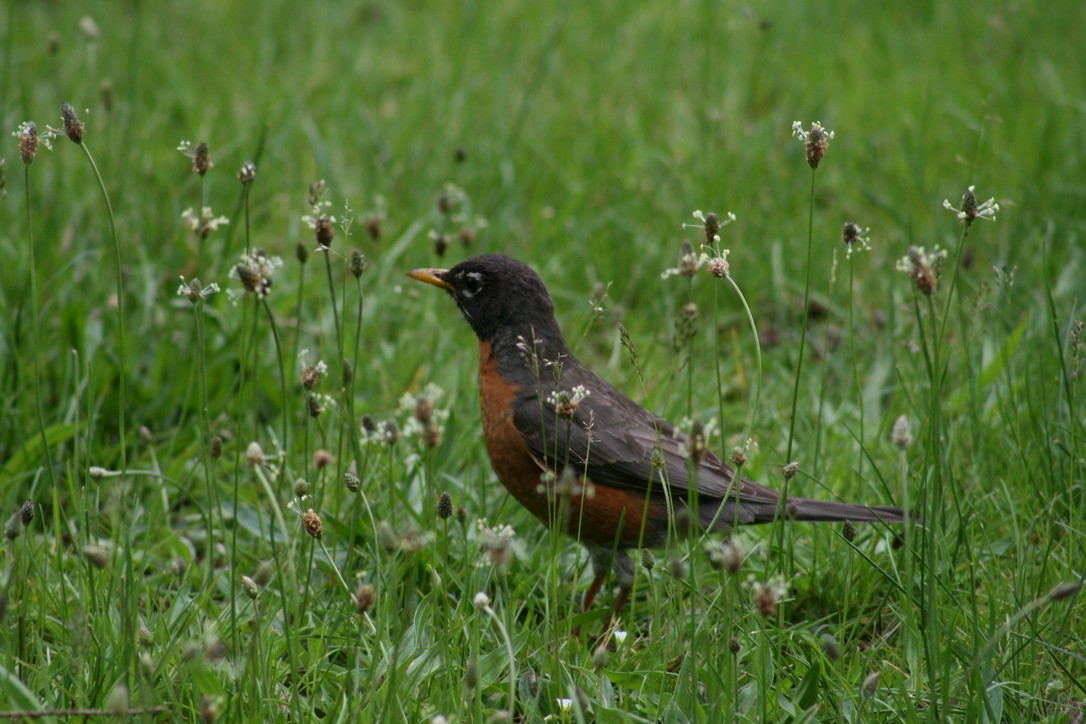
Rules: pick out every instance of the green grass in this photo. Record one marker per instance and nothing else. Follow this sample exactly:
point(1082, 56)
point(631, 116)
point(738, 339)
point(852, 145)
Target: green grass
point(589, 134)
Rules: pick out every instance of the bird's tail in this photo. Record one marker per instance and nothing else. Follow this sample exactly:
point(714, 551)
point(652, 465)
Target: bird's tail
point(801, 509)
point(804, 509)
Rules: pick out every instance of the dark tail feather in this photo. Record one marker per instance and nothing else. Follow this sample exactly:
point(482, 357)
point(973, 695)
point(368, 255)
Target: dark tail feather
point(821, 511)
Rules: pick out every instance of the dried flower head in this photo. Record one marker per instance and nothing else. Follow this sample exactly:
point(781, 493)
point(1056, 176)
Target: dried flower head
point(901, 435)
point(725, 556)
point(89, 29)
point(970, 210)
point(440, 242)
point(689, 263)
point(923, 267)
point(320, 220)
point(254, 454)
point(855, 238)
point(816, 141)
point(311, 373)
point(790, 470)
point(73, 127)
point(356, 263)
point(481, 599)
point(322, 459)
point(249, 586)
point(365, 597)
point(496, 544)
point(255, 272)
point(686, 325)
point(216, 447)
point(738, 457)
point(301, 487)
point(26, 512)
point(200, 155)
point(205, 223)
point(848, 531)
point(351, 481)
point(29, 140)
point(767, 595)
point(311, 522)
point(870, 685)
point(830, 647)
point(247, 173)
point(319, 402)
point(194, 291)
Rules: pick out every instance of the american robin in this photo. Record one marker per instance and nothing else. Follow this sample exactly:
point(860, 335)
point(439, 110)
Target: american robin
point(546, 414)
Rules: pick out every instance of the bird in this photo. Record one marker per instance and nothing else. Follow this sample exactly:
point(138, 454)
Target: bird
point(548, 418)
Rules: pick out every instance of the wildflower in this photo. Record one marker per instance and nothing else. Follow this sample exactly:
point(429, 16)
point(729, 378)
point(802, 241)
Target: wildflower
point(711, 224)
point(319, 402)
point(200, 155)
point(620, 636)
point(647, 561)
point(365, 597)
point(870, 685)
point(481, 599)
point(689, 263)
point(351, 481)
point(312, 524)
point(564, 704)
point(767, 595)
point(249, 586)
point(97, 473)
point(791, 470)
point(73, 127)
point(89, 29)
point(247, 173)
point(29, 140)
point(496, 544)
point(215, 448)
point(301, 252)
point(194, 291)
point(901, 436)
point(923, 266)
point(374, 218)
point(855, 238)
point(254, 454)
point(970, 210)
point(718, 264)
point(423, 419)
point(444, 505)
point(13, 527)
point(320, 220)
point(441, 242)
point(26, 512)
point(725, 556)
point(686, 325)
point(830, 647)
point(696, 438)
point(301, 487)
point(565, 402)
point(311, 373)
point(322, 459)
point(356, 263)
point(738, 457)
point(205, 223)
point(450, 197)
point(848, 531)
point(816, 140)
point(255, 272)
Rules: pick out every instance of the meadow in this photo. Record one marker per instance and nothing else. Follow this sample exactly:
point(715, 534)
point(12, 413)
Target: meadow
point(241, 462)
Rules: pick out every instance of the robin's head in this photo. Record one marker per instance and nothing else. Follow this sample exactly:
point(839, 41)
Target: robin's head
point(496, 293)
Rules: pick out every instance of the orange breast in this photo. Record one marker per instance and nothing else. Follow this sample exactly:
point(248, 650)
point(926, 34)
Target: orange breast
point(602, 516)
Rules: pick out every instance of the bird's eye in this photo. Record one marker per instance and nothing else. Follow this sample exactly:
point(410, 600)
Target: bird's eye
point(471, 283)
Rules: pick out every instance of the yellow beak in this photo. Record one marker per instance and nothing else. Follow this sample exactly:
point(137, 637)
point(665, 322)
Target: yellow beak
point(431, 276)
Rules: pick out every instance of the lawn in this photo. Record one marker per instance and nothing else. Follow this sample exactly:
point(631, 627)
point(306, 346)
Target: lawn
point(241, 450)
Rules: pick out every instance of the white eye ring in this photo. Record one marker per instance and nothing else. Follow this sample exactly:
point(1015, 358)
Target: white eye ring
point(475, 284)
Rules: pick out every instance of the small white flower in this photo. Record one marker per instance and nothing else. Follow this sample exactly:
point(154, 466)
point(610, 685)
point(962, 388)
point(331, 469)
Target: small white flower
point(194, 291)
point(816, 133)
point(564, 704)
point(970, 210)
point(205, 223)
point(481, 599)
point(620, 636)
point(710, 223)
point(319, 213)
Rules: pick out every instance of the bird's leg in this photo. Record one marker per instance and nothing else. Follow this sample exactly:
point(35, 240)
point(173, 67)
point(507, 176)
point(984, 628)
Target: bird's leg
point(590, 596)
point(624, 574)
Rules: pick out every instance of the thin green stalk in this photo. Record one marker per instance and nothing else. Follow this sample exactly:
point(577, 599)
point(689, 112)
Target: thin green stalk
point(36, 334)
point(803, 328)
point(855, 364)
point(282, 369)
point(205, 447)
point(128, 605)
